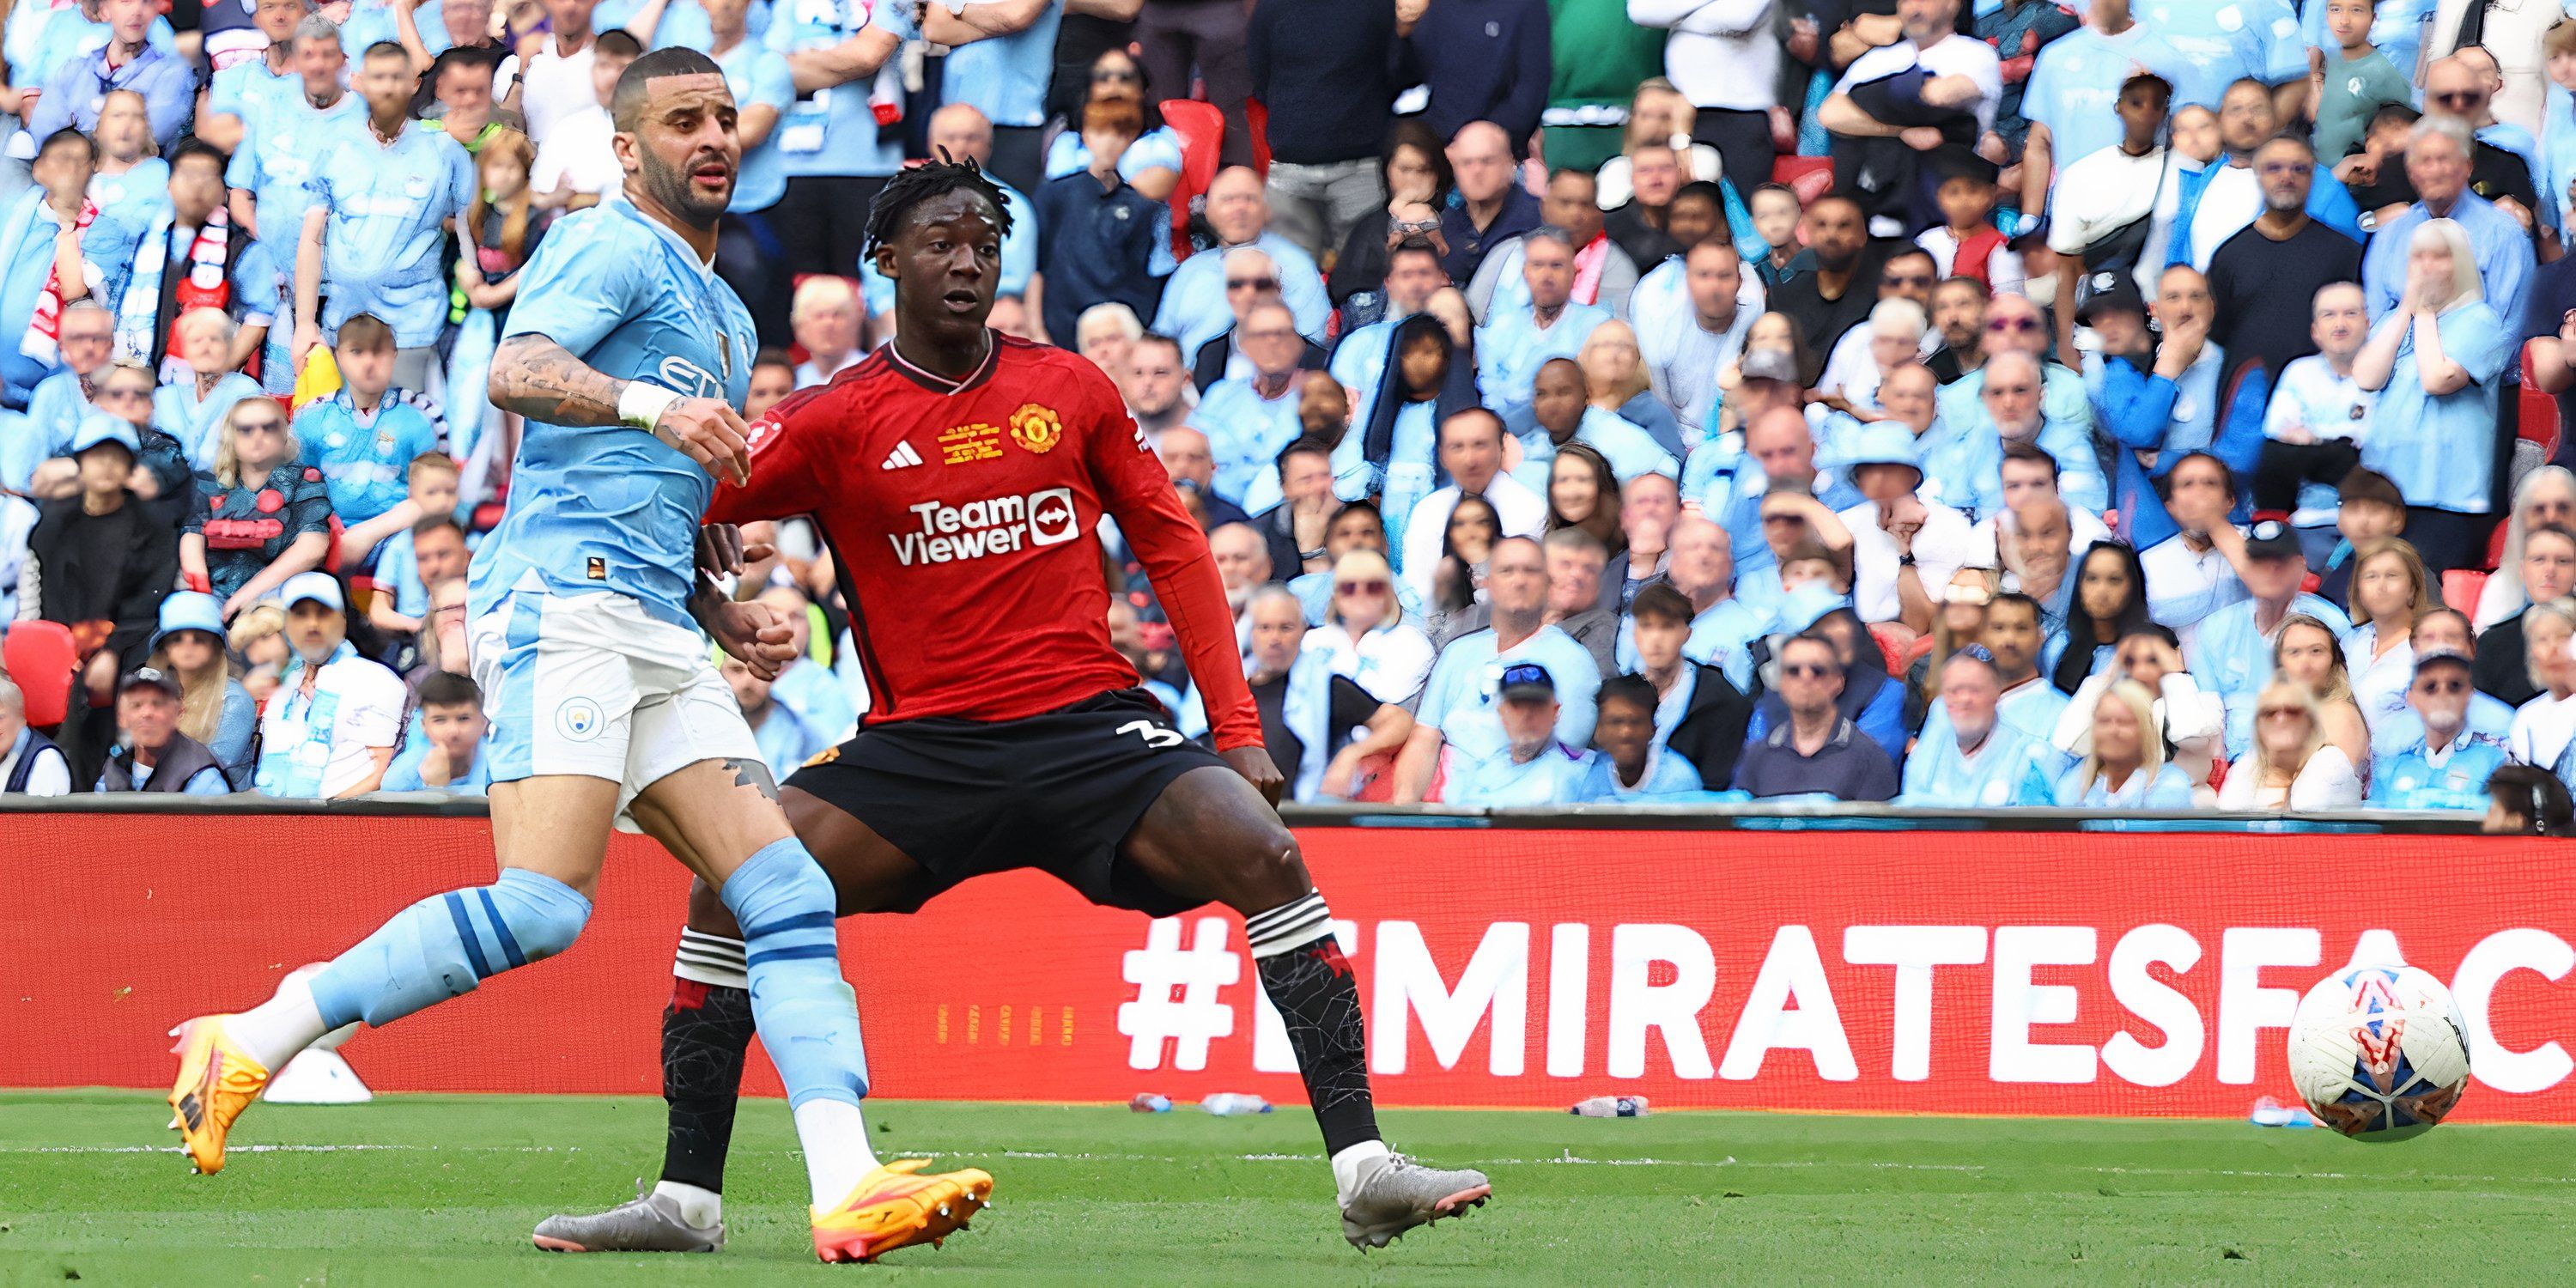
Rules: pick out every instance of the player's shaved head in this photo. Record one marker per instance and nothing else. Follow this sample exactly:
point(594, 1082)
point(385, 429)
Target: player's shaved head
point(635, 84)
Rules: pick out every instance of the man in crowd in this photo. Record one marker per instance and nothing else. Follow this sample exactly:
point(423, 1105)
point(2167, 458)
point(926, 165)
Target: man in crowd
point(281, 135)
point(1196, 301)
point(1516, 340)
point(2262, 279)
point(827, 316)
point(2447, 765)
point(1457, 707)
point(2231, 653)
point(2016, 399)
point(1319, 726)
point(1492, 206)
point(1156, 385)
point(1817, 752)
point(1683, 360)
point(1968, 757)
point(1249, 418)
point(2437, 164)
point(129, 61)
point(1251, 282)
point(1603, 273)
point(1192, 465)
point(329, 732)
point(150, 754)
point(1574, 560)
point(1471, 450)
point(2015, 640)
point(1559, 413)
point(1531, 767)
point(30, 763)
point(1833, 282)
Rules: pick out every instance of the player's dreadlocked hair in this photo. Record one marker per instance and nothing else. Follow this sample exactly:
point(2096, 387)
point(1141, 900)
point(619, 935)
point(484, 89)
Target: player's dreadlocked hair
point(916, 184)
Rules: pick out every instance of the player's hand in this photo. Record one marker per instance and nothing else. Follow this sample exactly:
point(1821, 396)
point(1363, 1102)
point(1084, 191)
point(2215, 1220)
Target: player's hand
point(712, 433)
point(722, 551)
point(1255, 766)
point(754, 634)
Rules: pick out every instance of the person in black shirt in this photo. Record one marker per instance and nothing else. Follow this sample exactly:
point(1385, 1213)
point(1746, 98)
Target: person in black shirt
point(2263, 281)
point(1325, 70)
point(1308, 711)
point(1833, 283)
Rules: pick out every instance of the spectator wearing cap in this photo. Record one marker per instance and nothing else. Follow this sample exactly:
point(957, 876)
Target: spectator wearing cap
point(2157, 398)
point(2442, 630)
point(2448, 765)
point(450, 754)
point(1457, 707)
point(329, 731)
point(1530, 767)
point(2290, 766)
point(99, 561)
point(1249, 419)
point(1971, 759)
point(1313, 712)
point(2436, 360)
point(1634, 765)
point(2126, 767)
point(1518, 338)
point(1699, 713)
point(260, 517)
point(1817, 751)
point(213, 706)
point(30, 763)
point(130, 60)
point(2231, 652)
point(151, 754)
point(1559, 414)
point(1471, 450)
point(1903, 544)
point(1196, 305)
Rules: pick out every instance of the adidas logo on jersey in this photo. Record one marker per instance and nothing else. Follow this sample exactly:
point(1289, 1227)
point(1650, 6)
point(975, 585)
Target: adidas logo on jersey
point(902, 458)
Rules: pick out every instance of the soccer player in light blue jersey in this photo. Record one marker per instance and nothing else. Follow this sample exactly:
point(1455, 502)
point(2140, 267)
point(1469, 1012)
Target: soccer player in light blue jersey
point(626, 356)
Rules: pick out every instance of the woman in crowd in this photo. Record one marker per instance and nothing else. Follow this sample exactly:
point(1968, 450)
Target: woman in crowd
point(1414, 171)
point(2190, 722)
point(2526, 800)
point(1152, 164)
point(2548, 571)
point(1614, 376)
point(1961, 620)
point(2546, 497)
point(2389, 591)
point(192, 409)
point(2543, 726)
point(2306, 651)
point(2110, 603)
point(1365, 637)
point(2292, 768)
point(213, 707)
point(2127, 767)
point(261, 516)
point(1769, 331)
point(504, 225)
point(1458, 584)
point(1429, 377)
point(1582, 492)
point(2434, 361)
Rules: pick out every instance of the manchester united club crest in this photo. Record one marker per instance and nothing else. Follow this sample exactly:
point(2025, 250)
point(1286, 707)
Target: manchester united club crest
point(1036, 428)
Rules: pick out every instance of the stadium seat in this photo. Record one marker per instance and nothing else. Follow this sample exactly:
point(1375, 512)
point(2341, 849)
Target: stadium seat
point(1890, 649)
point(1375, 779)
point(2538, 419)
point(2461, 588)
point(1202, 130)
point(2495, 547)
point(1809, 176)
point(40, 656)
point(1257, 115)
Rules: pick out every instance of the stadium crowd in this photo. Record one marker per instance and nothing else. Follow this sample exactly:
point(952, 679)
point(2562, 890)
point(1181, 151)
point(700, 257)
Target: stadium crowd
point(2129, 405)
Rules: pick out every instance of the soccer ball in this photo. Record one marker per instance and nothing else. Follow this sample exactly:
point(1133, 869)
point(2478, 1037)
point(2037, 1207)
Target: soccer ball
point(2379, 1053)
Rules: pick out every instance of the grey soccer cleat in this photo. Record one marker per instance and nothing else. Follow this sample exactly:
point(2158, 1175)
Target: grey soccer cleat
point(1399, 1194)
point(652, 1223)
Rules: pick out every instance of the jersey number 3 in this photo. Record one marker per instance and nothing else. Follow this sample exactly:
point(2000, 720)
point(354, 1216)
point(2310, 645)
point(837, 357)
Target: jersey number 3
point(1155, 736)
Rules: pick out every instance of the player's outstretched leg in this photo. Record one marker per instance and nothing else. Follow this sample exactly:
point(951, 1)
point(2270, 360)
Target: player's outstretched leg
point(1210, 835)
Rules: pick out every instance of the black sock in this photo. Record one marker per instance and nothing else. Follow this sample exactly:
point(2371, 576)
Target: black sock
point(705, 1032)
point(1310, 983)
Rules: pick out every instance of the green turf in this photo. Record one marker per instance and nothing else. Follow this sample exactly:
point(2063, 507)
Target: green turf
point(1108, 1198)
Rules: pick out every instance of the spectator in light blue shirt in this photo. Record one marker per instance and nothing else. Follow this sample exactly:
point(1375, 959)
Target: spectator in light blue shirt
point(1194, 309)
point(2438, 154)
point(58, 404)
point(2231, 654)
point(830, 146)
point(2448, 765)
point(1001, 58)
point(30, 227)
point(2075, 82)
point(763, 89)
point(2437, 362)
point(78, 87)
point(2127, 768)
point(1559, 414)
point(1457, 713)
point(232, 90)
point(1530, 768)
point(386, 196)
point(1968, 757)
point(785, 740)
point(1515, 342)
point(1248, 419)
point(364, 437)
point(449, 744)
point(280, 130)
point(1634, 766)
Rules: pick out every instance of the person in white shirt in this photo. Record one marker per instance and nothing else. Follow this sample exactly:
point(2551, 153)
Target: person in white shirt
point(1724, 55)
point(1864, 357)
point(1932, 41)
point(2198, 570)
point(2543, 727)
point(1471, 449)
point(1682, 360)
point(555, 83)
point(1364, 635)
point(579, 158)
point(2114, 195)
point(1901, 543)
point(2291, 767)
point(329, 731)
point(825, 315)
point(2319, 415)
point(30, 764)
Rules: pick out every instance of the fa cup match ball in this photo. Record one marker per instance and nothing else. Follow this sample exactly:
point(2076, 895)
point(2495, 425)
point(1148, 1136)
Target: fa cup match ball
point(2379, 1053)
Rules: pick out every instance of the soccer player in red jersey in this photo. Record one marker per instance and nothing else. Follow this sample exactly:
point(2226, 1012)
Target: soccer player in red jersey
point(958, 476)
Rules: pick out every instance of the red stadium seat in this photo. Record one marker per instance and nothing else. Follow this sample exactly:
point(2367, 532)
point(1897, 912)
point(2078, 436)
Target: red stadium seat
point(2461, 587)
point(2538, 421)
point(41, 657)
point(1375, 779)
point(1202, 130)
point(2495, 546)
point(1811, 177)
point(1257, 115)
point(1890, 648)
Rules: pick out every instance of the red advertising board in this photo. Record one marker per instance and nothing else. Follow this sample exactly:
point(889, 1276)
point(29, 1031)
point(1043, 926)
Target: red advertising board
point(1895, 971)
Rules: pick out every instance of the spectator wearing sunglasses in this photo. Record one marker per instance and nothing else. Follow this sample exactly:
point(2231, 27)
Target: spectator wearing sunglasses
point(261, 516)
point(1364, 635)
point(1817, 752)
point(2442, 630)
point(2291, 768)
point(2448, 766)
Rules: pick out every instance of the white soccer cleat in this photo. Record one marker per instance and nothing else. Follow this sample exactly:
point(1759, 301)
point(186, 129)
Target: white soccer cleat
point(1399, 1194)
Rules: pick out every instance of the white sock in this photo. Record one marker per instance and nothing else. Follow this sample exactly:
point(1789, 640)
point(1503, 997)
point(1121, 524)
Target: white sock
point(276, 1029)
point(699, 1207)
point(835, 1138)
point(1353, 1164)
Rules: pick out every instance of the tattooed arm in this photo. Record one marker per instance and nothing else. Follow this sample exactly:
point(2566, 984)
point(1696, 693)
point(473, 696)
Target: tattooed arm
point(539, 379)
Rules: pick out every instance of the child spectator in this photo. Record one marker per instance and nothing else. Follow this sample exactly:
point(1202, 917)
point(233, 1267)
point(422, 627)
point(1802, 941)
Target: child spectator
point(2347, 87)
point(329, 732)
point(431, 489)
point(261, 516)
point(2369, 509)
point(151, 754)
point(1633, 767)
point(2523, 800)
point(97, 562)
point(1968, 244)
point(363, 437)
point(452, 755)
point(503, 227)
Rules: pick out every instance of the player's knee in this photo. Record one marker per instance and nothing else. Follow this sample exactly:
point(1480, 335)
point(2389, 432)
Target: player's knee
point(708, 914)
point(1276, 869)
point(541, 915)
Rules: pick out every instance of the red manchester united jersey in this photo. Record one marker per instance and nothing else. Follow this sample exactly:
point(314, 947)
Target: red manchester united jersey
point(961, 516)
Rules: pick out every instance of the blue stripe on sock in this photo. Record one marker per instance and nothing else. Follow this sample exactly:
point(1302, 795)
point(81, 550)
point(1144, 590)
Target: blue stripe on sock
point(797, 952)
point(790, 925)
point(465, 931)
point(501, 931)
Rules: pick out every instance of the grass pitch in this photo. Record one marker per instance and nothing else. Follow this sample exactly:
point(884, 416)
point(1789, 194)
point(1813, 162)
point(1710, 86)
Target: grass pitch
point(443, 1189)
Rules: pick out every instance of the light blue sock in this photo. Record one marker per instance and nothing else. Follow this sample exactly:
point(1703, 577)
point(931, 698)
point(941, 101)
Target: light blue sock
point(807, 1016)
point(446, 944)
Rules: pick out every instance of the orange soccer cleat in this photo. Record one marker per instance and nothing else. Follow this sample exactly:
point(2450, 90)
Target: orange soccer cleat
point(217, 1081)
point(894, 1207)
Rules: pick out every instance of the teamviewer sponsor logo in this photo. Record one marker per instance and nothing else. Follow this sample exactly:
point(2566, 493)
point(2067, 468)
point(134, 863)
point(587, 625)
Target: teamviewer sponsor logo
point(1002, 525)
